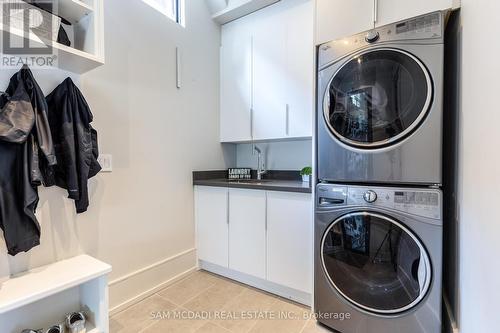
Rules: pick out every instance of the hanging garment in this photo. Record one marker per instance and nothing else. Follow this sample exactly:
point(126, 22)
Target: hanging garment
point(75, 142)
point(42, 139)
point(16, 117)
point(19, 171)
point(40, 107)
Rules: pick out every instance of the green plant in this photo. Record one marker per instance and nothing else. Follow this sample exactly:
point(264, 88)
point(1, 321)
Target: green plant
point(307, 171)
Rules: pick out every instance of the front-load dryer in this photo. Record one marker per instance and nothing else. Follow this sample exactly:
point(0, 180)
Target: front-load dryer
point(378, 257)
point(379, 108)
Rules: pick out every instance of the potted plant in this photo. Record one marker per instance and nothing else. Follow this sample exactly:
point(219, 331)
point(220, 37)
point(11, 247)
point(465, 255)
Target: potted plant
point(306, 174)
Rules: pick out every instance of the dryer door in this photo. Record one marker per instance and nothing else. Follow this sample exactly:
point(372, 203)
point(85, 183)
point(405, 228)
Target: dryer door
point(377, 98)
point(376, 263)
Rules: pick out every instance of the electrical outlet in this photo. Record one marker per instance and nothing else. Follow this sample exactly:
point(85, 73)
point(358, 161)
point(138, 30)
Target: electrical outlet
point(106, 162)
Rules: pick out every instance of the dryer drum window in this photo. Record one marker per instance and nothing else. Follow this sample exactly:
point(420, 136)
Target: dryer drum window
point(377, 98)
point(375, 263)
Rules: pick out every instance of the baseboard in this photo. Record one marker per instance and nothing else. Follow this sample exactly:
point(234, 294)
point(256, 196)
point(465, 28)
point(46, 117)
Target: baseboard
point(449, 322)
point(130, 289)
point(273, 288)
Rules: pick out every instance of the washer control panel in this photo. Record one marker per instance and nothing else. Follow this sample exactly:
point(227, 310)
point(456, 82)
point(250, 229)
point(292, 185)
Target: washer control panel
point(370, 196)
point(421, 202)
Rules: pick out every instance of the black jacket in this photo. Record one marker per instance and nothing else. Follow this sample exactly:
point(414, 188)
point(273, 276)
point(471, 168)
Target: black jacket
point(24, 131)
point(16, 117)
point(75, 143)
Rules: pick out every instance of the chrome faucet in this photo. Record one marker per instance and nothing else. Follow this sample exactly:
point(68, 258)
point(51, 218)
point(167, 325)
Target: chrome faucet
point(260, 163)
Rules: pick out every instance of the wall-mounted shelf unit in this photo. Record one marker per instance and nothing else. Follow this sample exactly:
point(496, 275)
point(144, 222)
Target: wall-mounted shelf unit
point(43, 296)
point(75, 10)
point(86, 34)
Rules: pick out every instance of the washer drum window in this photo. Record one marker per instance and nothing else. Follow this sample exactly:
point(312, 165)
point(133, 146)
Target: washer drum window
point(375, 263)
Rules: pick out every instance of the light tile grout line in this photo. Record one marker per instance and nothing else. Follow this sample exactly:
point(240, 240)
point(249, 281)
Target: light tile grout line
point(277, 300)
point(168, 300)
point(201, 292)
point(189, 299)
point(148, 326)
point(156, 294)
point(305, 325)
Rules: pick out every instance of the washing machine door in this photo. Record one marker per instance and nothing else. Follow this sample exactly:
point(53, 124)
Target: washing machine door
point(377, 98)
point(376, 263)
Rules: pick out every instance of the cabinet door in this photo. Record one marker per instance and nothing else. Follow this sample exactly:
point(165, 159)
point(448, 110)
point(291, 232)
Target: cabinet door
point(289, 240)
point(299, 75)
point(211, 214)
point(390, 11)
point(269, 66)
point(236, 82)
point(337, 19)
point(247, 231)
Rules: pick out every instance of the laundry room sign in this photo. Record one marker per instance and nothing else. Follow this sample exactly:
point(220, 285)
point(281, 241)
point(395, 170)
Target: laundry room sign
point(239, 173)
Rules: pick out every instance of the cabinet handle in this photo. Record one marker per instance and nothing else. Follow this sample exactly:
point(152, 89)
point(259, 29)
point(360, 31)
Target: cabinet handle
point(178, 67)
point(375, 12)
point(251, 123)
point(287, 119)
point(227, 207)
point(265, 210)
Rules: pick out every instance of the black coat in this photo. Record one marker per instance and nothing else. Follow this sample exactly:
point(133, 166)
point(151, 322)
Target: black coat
point(22, 106)
point(75, 143)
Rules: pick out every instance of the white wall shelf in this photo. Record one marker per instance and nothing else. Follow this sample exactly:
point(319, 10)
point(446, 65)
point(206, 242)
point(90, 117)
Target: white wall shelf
point(86, 33)
point(74, 10)
point(43, 296)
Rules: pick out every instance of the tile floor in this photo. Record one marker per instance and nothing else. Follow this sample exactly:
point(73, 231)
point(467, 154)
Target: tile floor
point(210, 303)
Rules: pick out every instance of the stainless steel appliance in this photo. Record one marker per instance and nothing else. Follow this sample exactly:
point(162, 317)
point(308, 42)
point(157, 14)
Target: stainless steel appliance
point(378, 256)
point(380, 95)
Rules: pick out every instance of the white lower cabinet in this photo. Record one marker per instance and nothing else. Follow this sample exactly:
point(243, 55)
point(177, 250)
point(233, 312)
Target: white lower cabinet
point(211, 214)
point(289, 240)
point(247, 232)
point(262, 238)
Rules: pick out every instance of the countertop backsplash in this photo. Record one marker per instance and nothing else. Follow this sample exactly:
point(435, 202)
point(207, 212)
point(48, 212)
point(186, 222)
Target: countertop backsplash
point(282, 155)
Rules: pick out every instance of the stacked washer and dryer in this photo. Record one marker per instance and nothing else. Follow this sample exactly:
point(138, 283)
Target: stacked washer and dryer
point(379, 207)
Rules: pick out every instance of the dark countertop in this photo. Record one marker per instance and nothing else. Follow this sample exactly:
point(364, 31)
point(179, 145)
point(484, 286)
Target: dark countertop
point(286, 181)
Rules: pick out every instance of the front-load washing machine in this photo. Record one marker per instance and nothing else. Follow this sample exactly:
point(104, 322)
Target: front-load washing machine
point(379, 108)
point(378, 256)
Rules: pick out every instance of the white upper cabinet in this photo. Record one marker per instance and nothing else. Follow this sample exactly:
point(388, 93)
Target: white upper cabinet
point(290, 240)
point(247, 232)
point(236, 82)
point(211, 215)
point(336, 19)
point(390, 11)
point(269, 73)
point(299, 80)
point(280, 83)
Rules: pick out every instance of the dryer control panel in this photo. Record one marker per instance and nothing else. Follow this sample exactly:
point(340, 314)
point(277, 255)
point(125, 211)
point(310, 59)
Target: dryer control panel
point(419, 202)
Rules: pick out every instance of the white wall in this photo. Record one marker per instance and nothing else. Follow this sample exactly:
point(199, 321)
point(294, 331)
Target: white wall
point(286, 155)
point(479, 175)
point(142, 213)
